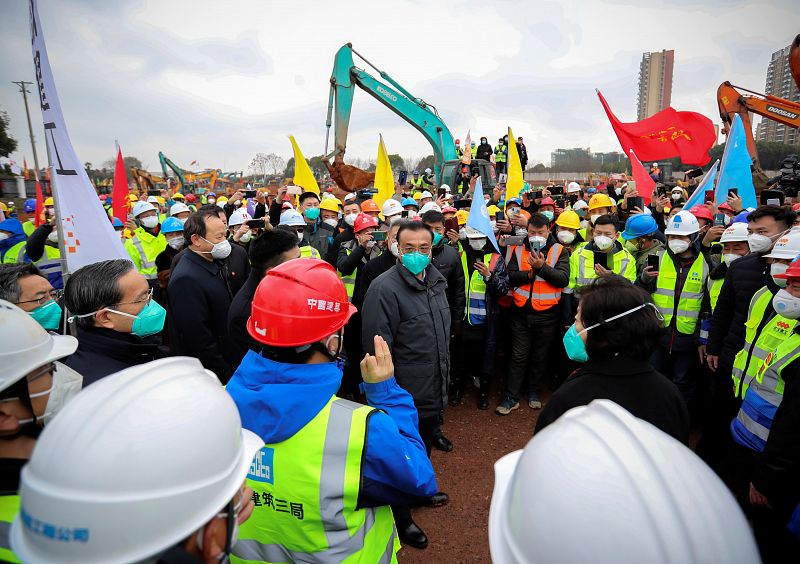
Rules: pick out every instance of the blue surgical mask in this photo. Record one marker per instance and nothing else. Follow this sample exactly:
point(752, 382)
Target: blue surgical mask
point(149, 321)
point(548, 214)
point(437, 237)
point(48, 315)
point(312, 214)
point(415, 262)
point(574, 345)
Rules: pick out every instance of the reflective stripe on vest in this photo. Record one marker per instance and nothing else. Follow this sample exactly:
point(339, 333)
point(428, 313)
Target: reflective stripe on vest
point(541, 293)
point(499, 154)
point(476, 289)
point(316, 472)
point(690, 301)
point(756, 344)
point(9, 507)
point(764, 395)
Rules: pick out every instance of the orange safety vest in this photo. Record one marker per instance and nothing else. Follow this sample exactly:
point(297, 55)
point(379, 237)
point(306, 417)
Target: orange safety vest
point(540, 293)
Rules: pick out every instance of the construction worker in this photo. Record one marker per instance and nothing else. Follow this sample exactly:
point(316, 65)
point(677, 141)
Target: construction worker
point(459, 151)
point(734, 247)
point(330, 210)
point(640, 238)
point(172, 229)
point(392, 211)
point(583, 266)
point(180, 496)
point(416, 180)
point(354, 254)
point(291, 220)
point(147, 241)
point(12, 241)
point(679, 291)
point(369, 207)
point(599, 205)
point(567, 231)
point(627, 490)
point(180, 211)
point(330, 468)
point(473, 149)
point(30, 209)
point(33, 388)
point(500, 156)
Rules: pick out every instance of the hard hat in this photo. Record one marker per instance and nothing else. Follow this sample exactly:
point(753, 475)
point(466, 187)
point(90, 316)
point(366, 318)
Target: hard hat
point(111, 483)
point(573, 187)
point(427, 171)
point(787, 247)
point(682, 223)
point(152, 200)
point(425, 194)
point(736, 232)
point(101, 197)
point(473, 233)
point(430, 206)
point(161, 200)
point(3, 207)
point(462, 216)
point(726, 207)
point(190, 198)
point(370, 206)
point(222, 200)
point(330, 204)
point(292, 218)
point(172, 225)
point(178, 207)
point(639, 225)
point(580, 205)
point(238, 217)
point(548, 201)
point(417, 196)
point(132, 198)
point(26, 345)
point(517, 201)
point(211, 195)
point(117, 223)
point(569, 219)
point(792, 272)
point(458, 141)
point(29, 206)
point(492, 210)
point(525, 215)
point(600, 200)
point(445, 187)
point(415, 173)
point(604, 486)
point(363, 221)
point(449, 209)
point(142, 207)
point(313, 304)
point(409, 202)
point(702, 212)
point(48, 202)
point(177, 196)
point(286, 206)
point(349, 197)
point(741, 217)
point(391, 207)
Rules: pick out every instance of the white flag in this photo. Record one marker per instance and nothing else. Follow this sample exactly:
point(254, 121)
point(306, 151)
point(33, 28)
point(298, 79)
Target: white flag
point(86, 232)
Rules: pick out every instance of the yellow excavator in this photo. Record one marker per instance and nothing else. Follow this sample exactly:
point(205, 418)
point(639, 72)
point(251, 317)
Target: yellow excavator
point(146, 181)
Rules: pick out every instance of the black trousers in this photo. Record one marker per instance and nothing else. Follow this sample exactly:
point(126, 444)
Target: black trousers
point(532, 337)
point(427, 429)
point(716, 439)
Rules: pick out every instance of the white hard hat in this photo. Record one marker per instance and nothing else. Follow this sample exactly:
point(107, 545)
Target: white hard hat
point(152, 200)
point(391, 207)
point(292, 218)
point(428, 171)
point(350, 197)
point(430, 206)
point(25, 345)
point(573, 187)
point(425, 194)
point(238, 217)
point(144, 458)
point(473, 233)
point(787, 247)
point(141, 207)
point(178, 207)
point(580, 205)
point(682, 223)
point(734, 233)
point(600, 485)
point(445, 187)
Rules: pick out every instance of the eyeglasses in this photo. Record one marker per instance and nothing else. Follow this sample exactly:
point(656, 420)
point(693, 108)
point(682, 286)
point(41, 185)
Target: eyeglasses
point(424, 249)
point(145, 300)
point(51, 295)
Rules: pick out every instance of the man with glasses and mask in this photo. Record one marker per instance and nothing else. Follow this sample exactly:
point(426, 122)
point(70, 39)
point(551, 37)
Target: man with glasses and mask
point(24, 286)
point(408, 307)
point(33, 388)
point(117, 322)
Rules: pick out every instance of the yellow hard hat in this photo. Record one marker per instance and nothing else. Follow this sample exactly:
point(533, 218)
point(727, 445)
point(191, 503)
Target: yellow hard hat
point(160, 200)
point(3, 207)
point(418, 196)
point(600, 201)
point(492, 210)
point(133, 198)
point(222, 200)
point(48, 202)
point(461, 216)
point(177, 196)
point(569, 219)
point(330, 204)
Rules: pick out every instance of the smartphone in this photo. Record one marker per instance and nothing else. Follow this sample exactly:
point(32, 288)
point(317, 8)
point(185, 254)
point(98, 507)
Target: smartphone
point(573, 199)
point(441, 192)
point(694, 173)
point(255, 224)
point(709, 196)
point(249, 193)
point(559, 200)
point(451, 224)
point(770, 197)
point(514, 240)
point(500, 215)
point(636, 202)
point(154, 192)
point(556, 190)
point(652, 262)
point(379, 235)
point(733, 192)
point(601, 258)
point(402, 176)
point(294, 190)
point(719, 219)
point(537, 195)
point(502, 178)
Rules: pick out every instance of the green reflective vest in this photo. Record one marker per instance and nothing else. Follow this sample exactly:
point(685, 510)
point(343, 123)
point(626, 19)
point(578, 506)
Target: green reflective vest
point(758, 343)
point(28, 227)
point(307, 251)
point(714, 288)
point(305, 491)
point(500, 154)
point(143, 248)
point(349, 280)
point(475, 289)
point(581, 267)
point(9, 507)
point(15, 254)
point(686, 310)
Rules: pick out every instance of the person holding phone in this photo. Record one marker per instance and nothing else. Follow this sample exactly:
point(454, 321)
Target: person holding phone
point(604, 254)
point(640, 239)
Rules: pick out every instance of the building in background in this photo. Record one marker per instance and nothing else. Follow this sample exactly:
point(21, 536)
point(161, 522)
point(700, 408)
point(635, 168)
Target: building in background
point(781, 84)
point(580, 159)
point(655, 83)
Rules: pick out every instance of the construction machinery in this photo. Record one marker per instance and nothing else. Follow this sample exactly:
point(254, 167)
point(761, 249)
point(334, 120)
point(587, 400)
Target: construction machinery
point(188, 181)
point(146, 181)
point(731, 101)
point(421, 115)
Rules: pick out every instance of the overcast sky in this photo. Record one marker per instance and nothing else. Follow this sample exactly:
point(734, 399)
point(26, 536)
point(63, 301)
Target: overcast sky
point(219, 81)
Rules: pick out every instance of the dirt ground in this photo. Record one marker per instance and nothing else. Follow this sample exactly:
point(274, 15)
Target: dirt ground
point(458, 532)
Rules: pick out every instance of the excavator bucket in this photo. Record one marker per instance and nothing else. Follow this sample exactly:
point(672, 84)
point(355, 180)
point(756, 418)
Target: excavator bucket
point(794, 60)
point(348, 177)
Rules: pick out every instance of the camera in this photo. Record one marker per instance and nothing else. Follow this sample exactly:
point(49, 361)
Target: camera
point(788, 180)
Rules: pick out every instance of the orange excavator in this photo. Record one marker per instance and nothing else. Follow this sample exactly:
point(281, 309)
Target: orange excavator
point(731, 101)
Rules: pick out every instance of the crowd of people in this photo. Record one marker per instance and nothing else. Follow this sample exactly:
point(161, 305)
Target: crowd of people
point(344, 329)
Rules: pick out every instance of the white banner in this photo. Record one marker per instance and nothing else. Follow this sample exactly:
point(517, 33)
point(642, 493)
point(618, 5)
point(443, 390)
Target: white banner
point(86, 233)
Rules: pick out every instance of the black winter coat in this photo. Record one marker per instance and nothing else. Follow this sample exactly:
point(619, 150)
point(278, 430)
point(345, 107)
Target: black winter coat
point(484, 151)
point(370, 272)
point(414, 318)
point(239, 339)
point(448, 262)
point(333, 249)
point(237, 266)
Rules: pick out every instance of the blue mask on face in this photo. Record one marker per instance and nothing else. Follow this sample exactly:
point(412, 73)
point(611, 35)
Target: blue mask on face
point(415, 262)
point(48, 315)
point(312, 214)
point(437, 237)
point(149, 321)
point(574, 345)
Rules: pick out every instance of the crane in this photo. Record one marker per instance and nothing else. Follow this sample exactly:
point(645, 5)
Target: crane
point(421, 115)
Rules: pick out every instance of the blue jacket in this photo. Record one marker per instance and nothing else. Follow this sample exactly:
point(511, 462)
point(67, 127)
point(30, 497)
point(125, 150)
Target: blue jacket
point(276, 400)
point(13, 226)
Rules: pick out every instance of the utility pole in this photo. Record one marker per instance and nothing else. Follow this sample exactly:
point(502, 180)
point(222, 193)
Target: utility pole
point(23, 87)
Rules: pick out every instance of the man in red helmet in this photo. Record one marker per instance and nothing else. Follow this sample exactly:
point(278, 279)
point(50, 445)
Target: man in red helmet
point(331, 467)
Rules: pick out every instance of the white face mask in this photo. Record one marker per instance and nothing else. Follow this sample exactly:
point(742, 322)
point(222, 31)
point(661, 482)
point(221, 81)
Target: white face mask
point(676, 197)
point(584, 224)
point(537, 242)
point(462, 233)
point(350, 219)
point(603, 243)
point(300, 237)
point(493, 223)
point(594, 217)
point(183, 220)
point(394, 249)
point(778, 268)
point(477, 244)
point(66, 385)
point(53, 237)
point(150, 222)
point(521, 231)
point(761, 243)
point(219, 250)
point(394, 219)
point(730, 257)
point(3, 236)
point(176, 243)
point(678, 246)
point(331, 222)
point(786, 305)
point(565, 237)
point(246, 237)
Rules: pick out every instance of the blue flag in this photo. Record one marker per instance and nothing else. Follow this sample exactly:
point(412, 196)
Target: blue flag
point(697, 199)
point(479, 216)
point(734, 172)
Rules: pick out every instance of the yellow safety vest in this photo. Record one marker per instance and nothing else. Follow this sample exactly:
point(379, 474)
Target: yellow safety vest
point(687, 310)
point(9, 507)
point(143, 248)
point(475, 289)
point(581, 267)
point(499, 154)
point(757, 344)
point(349, 281)
point(307, 251)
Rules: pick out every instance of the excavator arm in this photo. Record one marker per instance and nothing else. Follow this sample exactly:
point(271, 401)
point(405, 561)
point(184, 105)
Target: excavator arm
point(146, 181)
point(178, 172)
point(421, 115)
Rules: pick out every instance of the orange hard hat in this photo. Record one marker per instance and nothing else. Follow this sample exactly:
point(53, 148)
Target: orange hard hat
point(363, 221)
point(370, 206)
point(313, 304)
point(526, 215)
point(702, 212)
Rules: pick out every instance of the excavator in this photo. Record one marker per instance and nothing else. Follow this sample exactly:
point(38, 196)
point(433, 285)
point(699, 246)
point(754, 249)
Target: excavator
point(146, 181)
point(731, 101)
point(188, 181)
point(420, 114)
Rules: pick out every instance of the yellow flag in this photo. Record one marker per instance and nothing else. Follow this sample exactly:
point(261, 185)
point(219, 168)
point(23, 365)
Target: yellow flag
point(384, 177)
point(515, 180)
point(302, 172)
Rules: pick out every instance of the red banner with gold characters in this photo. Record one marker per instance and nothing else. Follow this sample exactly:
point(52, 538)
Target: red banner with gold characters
point(664, 135)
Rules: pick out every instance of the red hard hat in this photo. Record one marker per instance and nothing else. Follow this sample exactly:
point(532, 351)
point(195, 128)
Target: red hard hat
point(313, 304)
point(103, 197)
point(726, 207)
point(190, 197)
point(449, 209)
point(458, 141)
point(702, 212)
point(363, 221)
point(548, 201)
point(796, 207)
point(792, 272)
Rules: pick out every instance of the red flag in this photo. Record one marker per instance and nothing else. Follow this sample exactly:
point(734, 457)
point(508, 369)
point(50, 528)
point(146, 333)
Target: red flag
point(119, 196)
point(39, 203)
point(644, 183)
point(667, 134)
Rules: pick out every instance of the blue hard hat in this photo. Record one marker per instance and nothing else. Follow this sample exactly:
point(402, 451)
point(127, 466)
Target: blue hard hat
point(415, 172)
point(639, 225)
point(741, 217)
point(30, 206)
point(409, 202)
point(117, 223)
point(172, 225)
point(517, 201)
